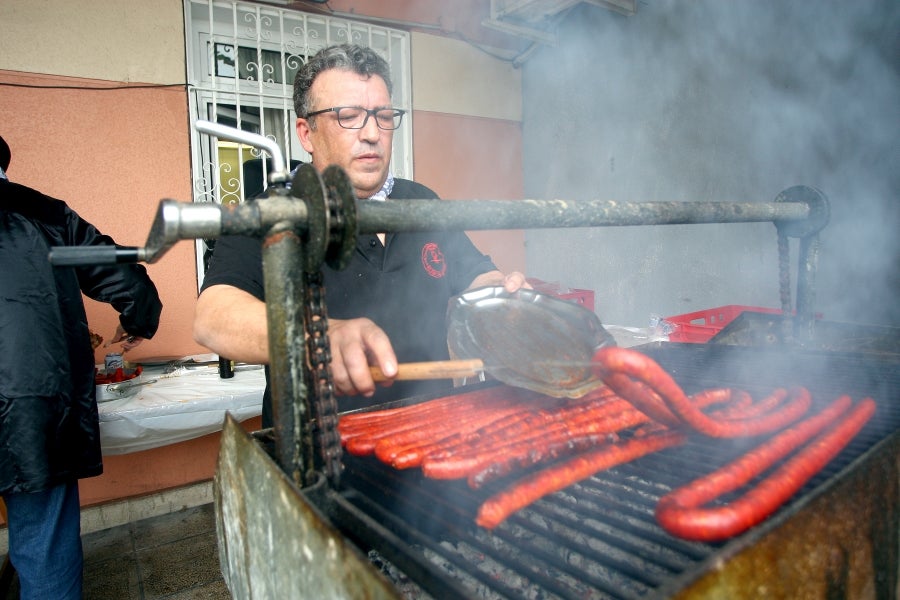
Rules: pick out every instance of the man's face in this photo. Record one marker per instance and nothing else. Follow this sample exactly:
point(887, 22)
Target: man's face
point(365, 154)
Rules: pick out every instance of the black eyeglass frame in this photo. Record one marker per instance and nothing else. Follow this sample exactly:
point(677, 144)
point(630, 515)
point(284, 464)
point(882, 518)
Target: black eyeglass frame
point(370, 112)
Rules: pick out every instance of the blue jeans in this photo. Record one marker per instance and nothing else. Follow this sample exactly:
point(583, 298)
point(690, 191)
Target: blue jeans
point(45, 542)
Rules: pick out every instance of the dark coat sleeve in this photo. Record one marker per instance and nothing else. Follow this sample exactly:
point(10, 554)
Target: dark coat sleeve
point(127, 288)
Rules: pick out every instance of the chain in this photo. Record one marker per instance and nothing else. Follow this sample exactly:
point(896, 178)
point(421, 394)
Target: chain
point(784, 285)
point(324, 405)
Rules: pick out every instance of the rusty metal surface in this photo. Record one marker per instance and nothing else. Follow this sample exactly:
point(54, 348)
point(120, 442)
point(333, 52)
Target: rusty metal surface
point(179, 221)
point(767, 330)
point(802, 326)
point(417, 215)
point(272, 542)
point(283, 255)
point(841, 544)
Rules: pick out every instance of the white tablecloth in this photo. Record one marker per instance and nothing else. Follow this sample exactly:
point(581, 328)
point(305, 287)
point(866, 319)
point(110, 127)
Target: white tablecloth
point(178, 406)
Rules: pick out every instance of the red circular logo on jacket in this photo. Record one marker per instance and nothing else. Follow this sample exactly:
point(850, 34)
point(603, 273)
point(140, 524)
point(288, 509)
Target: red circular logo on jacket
point(433, 260)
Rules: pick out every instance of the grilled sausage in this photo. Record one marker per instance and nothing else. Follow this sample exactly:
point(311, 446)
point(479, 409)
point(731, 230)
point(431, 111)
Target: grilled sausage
point(387, 449)
point(573, 438)
point(738, 403)
point(529, 455)
point(528, 446)
point(640, 380)
point(422, 410)
point(361, 435)
point(461, 441)
point(679, 512)
point(518, 425)
point(552, 479)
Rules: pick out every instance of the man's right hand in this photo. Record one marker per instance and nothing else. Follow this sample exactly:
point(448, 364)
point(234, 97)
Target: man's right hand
point(232, 323)
point(355, 344)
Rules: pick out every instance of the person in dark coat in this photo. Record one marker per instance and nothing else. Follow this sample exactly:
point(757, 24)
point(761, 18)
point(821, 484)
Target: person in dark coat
point(49, 426)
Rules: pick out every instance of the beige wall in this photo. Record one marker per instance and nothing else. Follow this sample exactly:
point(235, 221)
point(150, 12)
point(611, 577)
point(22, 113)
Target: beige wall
point(96, 39)
point(453, 77)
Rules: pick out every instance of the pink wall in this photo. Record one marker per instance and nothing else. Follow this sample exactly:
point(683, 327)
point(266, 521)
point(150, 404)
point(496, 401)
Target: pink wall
point(469, 157)
point(112, 156)
point(141, 473)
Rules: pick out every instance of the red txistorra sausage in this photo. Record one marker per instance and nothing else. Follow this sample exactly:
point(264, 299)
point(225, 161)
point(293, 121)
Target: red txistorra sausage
point(735, 403)
point(620, 367)
point(518, 426)
point(361, 438)
point(502, 452)
point(552, 479)
point(387, 449)
point(412, 457)
point(577, 437)
point(680, 512)
point(425, 410)
point(548, 450)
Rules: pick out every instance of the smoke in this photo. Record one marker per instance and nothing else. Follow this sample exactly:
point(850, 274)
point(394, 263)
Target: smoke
point(720, 101)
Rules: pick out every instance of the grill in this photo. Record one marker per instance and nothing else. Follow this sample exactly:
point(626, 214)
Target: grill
point(837, 537)
point(599, 538)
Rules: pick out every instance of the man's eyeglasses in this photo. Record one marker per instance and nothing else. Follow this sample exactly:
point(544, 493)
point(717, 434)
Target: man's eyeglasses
point(355, 117)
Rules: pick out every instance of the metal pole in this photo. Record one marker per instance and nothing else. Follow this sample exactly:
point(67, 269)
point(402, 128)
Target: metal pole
point(430, 215)
point(176, 221)
point(283, 253)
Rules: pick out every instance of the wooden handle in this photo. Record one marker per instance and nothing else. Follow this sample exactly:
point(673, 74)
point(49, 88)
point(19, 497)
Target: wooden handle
point(438, 369)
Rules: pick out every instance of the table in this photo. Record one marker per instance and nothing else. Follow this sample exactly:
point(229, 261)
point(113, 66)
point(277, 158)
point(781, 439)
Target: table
point(178, 406)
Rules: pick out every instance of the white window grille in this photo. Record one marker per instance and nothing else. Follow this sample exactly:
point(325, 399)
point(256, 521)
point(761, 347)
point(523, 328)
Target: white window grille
point(241, 62)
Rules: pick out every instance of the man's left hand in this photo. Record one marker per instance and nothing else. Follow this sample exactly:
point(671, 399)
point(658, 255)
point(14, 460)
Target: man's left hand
point(510, 282)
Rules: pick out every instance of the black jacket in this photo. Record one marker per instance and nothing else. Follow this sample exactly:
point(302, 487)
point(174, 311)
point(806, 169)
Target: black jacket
point(49, 429)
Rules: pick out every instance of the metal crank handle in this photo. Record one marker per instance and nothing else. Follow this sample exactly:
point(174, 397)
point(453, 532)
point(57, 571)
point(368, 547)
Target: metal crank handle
point(74, 256)
point(439, 369)
point(279, 174)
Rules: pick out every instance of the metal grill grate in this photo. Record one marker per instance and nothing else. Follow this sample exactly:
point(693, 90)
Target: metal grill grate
point(599, 538)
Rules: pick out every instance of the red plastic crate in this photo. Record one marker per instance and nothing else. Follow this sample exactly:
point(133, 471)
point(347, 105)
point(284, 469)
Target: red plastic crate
point(583, 297)
point(699, 327)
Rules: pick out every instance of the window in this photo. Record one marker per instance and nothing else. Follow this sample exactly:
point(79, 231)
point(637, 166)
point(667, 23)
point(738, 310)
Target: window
point(241, 62)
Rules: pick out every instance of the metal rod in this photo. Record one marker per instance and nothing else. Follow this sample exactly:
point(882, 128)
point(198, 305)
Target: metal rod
point(176, 220)
point(284, 282)
point(428, 215)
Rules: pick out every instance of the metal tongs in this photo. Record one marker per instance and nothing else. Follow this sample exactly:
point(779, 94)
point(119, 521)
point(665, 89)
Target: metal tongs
point(123, 388)
point(187, 363)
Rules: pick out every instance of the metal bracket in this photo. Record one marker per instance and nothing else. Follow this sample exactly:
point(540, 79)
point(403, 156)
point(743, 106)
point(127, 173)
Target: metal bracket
point(819, 211)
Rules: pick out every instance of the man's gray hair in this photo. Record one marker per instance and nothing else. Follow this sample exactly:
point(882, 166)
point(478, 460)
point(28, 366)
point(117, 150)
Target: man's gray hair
point(347, 57)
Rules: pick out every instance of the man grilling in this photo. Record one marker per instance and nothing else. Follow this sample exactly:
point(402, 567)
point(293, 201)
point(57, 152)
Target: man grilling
point(389, 304)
